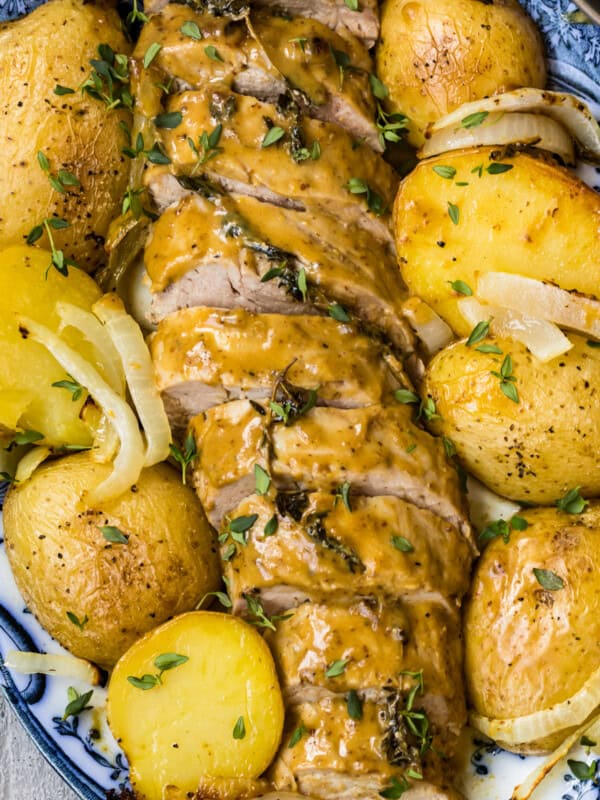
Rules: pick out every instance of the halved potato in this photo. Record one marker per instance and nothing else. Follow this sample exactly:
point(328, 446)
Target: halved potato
point(534, 449)
point(530, 646)
point(534, 219)
point(214, 717)
point(435, 55)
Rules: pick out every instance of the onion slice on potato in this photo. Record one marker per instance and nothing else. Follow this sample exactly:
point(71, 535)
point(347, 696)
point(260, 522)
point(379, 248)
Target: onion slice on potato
point(486, 506)
point(530, 728)
point(139, 372)
point(30, 462)
point(430, 328)
point(544, 339)
point(535, 778)
point(571, 112)
point(67, 666)
point(530, 296)
point(130, 458)
point(504, 129)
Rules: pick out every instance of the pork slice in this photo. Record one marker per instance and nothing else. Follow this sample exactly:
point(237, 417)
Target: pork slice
point(322, 552)
point(205, 356)
point(357, 182)
point(266, 56)
point(215, 252)
point(376, 450)
point(335, 14)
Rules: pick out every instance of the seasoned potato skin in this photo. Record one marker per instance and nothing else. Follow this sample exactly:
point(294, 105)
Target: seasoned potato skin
point(435, 55)
point(536, 449)
point(62, 562)
point(537, 220)
point(526, 647)
point(53, 45)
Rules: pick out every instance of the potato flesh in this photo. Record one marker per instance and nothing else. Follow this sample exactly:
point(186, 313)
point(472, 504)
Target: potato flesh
point(535, 449)
point(53, 45)
point(527, 648)
point(27, 370)
point(435, 55)
point(536, 219)
point(62, 562)
point(182, 731)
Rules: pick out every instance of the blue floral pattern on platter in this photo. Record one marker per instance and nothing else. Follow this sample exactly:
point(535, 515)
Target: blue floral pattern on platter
point(82, 749)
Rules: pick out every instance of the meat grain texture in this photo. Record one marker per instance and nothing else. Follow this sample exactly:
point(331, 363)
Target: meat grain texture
point(280, 343)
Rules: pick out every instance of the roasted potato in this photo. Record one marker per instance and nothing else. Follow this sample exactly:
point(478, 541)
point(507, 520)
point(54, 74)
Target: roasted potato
point(52, 47)
point(211, 722)
point(28, 399)
point(534, 219)
point(534, 449)
point(99, 579)
point(530, 646)
point(435, 55)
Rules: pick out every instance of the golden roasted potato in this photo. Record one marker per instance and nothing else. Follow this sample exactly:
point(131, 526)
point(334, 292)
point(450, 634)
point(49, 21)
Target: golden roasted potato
point(214, 719)
point(529, 646)
point(52, 47)
point(99, 579)
point(535, 449)
point(28, 400)
point(534, 219)
point(435, 55)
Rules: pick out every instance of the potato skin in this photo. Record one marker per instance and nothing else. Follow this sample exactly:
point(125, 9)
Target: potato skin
point(62, 562)
point(435, 55)
point(536, 449)
point(526, 647)
point(53, 45)
point(537, 220)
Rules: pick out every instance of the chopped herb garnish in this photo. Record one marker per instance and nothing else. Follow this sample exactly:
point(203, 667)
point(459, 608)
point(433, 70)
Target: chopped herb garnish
point(113, 534)
point(184, 457)
point(58, 260)
point(585, 741)
point(583, 771)
point(77, 702)
point(449, 447)
point(262, 480)
point(338, 312)
point(460, 287)
point(151, 53)
point(213, 53)
point(301, 283)
point(445, 172)
point(342, 61)
point(390, 126)
point(72, 386)
point(396, 789)
point(497, 169)
point(271, 526)
point(62, 90)
point(273, 135)
point(479, 332)
point(402, 544)
point(474, 120)
point(548, 580)
point(379, 89)
point(222, 597)
point(169, 120)
point(337, 668)
point(507, 379)
point(192, 30)
point(343, 492)
point(354, 705)
point(261, 620)
point(135, 15)
point(239, 729)
point(108, 81)
point(301, 40)
point(61, 180)
point(572, 502)
point(163, 662)
point(503, 528)
point(374, 201)
point(297, 735)
point(489, 348)
point(208, 145)
point(80, 623)
point(352, 4)
point(428, 410)
point(26, 437)
point(406, 396)
point(411, 448)
point(454, 213)
point(240, 525)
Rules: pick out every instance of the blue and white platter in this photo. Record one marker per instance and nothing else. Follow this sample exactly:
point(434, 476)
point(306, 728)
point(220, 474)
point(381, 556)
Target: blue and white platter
point(82, 750)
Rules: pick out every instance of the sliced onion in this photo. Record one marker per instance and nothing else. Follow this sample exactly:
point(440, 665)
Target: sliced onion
point(503, 129)
point(431, 329)
point(130, 458)
point(110, 364)
point(67, 666)
point(486, 506)
point(30, 462)
point(532, 727)
point(542, 300)
point(535, 778)
point(139, 373)
point(571, 112)
point(542, 338)
point(106, 442)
